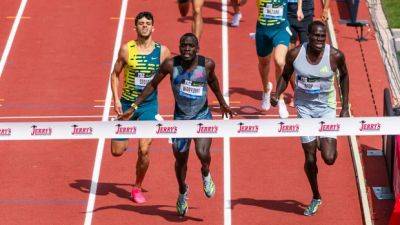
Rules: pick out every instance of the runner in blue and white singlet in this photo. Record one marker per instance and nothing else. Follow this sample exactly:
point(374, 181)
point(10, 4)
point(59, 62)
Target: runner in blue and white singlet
point(190, 91)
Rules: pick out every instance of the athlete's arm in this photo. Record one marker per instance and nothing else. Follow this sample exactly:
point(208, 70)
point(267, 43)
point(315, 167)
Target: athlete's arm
point(165, 68)
point(300, 15)
point(118, 67)
point(212, 81)
point(287, 72)
point(344, 82)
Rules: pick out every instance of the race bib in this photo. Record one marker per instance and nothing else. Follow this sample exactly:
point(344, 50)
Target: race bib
point(271, 12)
point(309, 85)
point(141, 81)
point(191, 89)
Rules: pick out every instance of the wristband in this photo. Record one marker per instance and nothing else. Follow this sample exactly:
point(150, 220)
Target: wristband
point(133, 105)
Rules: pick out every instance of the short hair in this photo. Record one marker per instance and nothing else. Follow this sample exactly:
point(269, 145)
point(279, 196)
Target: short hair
point(146, 15)
point(315, 23)
point(191, 35)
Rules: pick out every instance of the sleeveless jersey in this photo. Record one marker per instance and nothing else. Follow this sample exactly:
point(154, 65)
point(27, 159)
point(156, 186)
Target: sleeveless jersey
point(314, 83)
point(139, 71)
point(190, 89)
point(272, 12)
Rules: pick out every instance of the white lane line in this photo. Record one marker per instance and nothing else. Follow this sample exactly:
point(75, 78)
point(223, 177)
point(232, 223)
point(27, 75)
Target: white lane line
point(225, 86)
point(10, 39)
point(106, 112)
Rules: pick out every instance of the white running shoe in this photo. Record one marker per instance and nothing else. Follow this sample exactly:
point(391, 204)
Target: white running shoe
point(266, 98)
point(236, 19)
point(283, 113)
point(252, 36)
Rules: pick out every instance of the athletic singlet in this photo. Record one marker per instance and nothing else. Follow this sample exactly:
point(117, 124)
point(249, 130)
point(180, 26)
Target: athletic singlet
point(190, 89)
point(139, 71)
point(272, 12)
point(314, 83)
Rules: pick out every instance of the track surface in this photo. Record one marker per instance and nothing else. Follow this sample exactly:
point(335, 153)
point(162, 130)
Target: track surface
point(59, 66)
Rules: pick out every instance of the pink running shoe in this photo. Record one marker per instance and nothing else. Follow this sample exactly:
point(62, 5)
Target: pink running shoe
point(137, 195)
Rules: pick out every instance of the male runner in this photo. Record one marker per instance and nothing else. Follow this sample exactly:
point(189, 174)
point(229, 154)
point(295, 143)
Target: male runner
point(197, 6)
point(314, 64)
point(299, 28)
point(139, 59)
point(190, 74)
point(272, 33)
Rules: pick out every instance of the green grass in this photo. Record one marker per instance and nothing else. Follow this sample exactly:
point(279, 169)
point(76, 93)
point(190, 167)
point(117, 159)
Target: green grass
point(392, 12)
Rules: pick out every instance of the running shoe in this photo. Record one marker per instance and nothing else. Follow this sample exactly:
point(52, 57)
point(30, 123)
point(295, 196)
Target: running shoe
point(283, 113)
point(266, 98)
point(182, 204)
point(137, 195)
point(209, 188)
point(236, 19)
point(313, 207)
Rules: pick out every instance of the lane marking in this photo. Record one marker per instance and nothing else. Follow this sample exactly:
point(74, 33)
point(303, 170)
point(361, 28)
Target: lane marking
point(225, 91)
point(106, 111)
point(10, 39)
point(22, 17)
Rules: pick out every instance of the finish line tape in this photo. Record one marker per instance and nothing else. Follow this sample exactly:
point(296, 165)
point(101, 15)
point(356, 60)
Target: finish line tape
point(200, 128)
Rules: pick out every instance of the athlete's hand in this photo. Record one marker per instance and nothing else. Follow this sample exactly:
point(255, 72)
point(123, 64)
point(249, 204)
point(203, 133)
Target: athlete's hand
point(274, 100)
point(118, 107)
point(226, 111)
point(325, 14)
point(300, 15)
point(345, 112)
point(127, 115)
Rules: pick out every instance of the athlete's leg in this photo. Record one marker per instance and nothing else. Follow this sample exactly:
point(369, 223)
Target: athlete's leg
point(142, 163)
point(310, 166)
point(197, 26)
point(263, 68)
point(237, 14)
point(328, 150)
point(203, 153)
point(184, 6)
point(181, 147)
point(202, 146)
point(279, 59)
point(118, 147)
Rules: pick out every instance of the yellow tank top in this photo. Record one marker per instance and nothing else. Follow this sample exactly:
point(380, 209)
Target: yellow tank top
point(139, 71)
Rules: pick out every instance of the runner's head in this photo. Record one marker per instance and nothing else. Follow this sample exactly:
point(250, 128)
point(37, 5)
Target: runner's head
point(317, 35)
point(188, 46)
point(144, 22)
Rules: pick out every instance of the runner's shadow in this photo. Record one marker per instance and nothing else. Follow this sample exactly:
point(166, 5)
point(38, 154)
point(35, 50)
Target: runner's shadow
point(153, 210)
point(289, 206)
point(103, 188)
point(243, 91)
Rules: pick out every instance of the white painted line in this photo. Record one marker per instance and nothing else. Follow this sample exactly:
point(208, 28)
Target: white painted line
point(225, 92)
point(354, 148)
point(106, 111)
point(12, 35)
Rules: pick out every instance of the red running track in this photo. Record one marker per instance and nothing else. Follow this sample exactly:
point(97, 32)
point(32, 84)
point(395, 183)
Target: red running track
point(59, 66)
